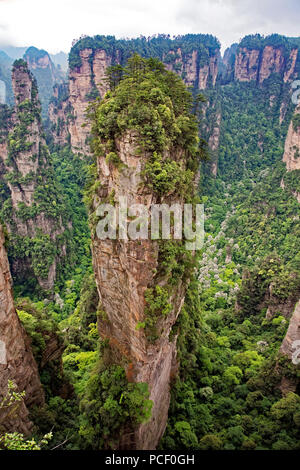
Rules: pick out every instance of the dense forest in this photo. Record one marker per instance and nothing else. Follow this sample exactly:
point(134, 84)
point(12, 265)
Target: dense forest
point(233, 388)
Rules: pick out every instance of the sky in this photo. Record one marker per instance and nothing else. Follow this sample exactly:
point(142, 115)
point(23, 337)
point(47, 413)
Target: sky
point(53, 24)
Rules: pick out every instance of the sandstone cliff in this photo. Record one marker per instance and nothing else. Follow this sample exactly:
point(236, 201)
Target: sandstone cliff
point(291, 155)
point(124, 270)
point(258, 64)
point(32, 207)
point(190, 67)
point(246, 65)
point(16, 360)
point(197, 67)
point(213, 143)
point(45, 72)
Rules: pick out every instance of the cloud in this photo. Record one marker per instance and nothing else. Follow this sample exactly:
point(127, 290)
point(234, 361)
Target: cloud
point(53, 25)
point(230, 20)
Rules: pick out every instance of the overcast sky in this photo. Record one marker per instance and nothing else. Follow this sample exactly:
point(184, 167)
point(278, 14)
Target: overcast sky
point(53, 24)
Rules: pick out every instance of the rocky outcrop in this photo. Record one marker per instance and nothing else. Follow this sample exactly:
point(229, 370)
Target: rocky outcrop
point(208, 72)
point(39, 59)
point(80, 84)
point(32, 207)
point(259, 64)
point(82, 81)
point(272, 61)
point(291, 155)
point(141, 292)
point(293, 333)
point(124, 270)
point(246, 65)
point(60, 113)
point(275, 304)
point(45, 72)
point(16, 360)
point(290, 347)
point(290, 67)
point(213, 143)
point(227, 63)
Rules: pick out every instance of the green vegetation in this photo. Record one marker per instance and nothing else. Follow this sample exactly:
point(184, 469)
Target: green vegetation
point(39, 250)
point(111, 407)
point(251, 135)
point(167, 176)
point(296, 121)
point(45, 76)
point(256, 41)
point(155, 106)
point(227, 395)
point(157, 305)
point(16, 441)
point(156, 47)
point(154, 103)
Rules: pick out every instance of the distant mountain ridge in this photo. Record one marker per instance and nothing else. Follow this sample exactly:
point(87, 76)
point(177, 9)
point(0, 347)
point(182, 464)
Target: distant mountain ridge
point(47, 72)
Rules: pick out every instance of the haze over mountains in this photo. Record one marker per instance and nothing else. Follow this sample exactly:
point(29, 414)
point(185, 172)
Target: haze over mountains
point(48, 69)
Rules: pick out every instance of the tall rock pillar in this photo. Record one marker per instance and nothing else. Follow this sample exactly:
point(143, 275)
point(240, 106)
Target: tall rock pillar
point(145, 144)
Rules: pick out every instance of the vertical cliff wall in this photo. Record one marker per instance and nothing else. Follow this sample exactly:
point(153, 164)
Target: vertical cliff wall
point(293, 333)
point(291, 155)
point(256, 59)
point(16, 359)
point(141, 293)
point(290, 349)
point(32, 207)
point(60, 113)
point(194, 58)
point(45, 73)
point(83, 81)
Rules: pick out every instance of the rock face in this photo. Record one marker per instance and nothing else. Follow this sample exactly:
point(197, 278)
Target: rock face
point(124, 270)
point(190, 68)
point(290, 347)
point(293, 333)
point(291, 155)
point(39, 59)
point(213, 143)
point(259, 64)
point(30, 209)
point(246, 65)
point(82, 81)
point(60, 114)
point(16, 359)
point(272, 61)
point(290, 69)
